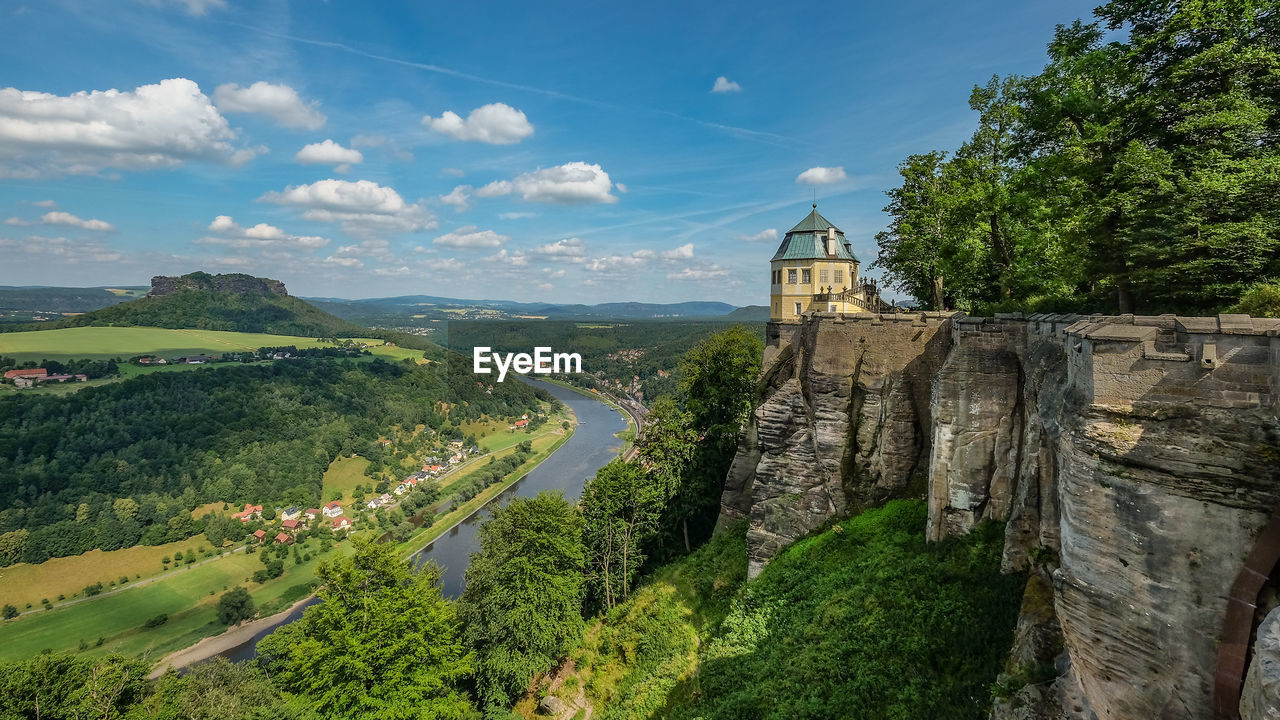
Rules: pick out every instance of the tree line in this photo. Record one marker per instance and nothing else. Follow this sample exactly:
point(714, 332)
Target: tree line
point(1135, 174)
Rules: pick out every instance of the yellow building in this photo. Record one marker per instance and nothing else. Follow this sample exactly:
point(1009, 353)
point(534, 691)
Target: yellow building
point(814, 270)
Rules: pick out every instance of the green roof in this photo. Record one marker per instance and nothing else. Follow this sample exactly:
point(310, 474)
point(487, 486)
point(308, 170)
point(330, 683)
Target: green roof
point(814, 223)
point(807, 241)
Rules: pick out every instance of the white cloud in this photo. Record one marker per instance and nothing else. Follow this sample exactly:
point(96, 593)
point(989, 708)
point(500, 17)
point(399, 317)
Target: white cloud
point(329, 153)
point(554, 274)
point(280, 102)
point(566, 248)
point(18, 222)
point(494, 189)
point(65, 250)
point(684, 252)
point(469, 237)
point(614, 263)
point(516, 215)
point(452, 172)
point(154, 126)
point(347, 262)
point(644, 253)
point(571, 183)
point(545, 287)
point(621, 188)
point(66, 218)
point(505, 258)
point(401, 271)
point(766, 235)
point(45, 203)
point(707, 273)
point(495, 123)
point(822, 175)
point(725, 85)
point(459, 198)
point(263, 236)
point(193, 7)
point(362, 208)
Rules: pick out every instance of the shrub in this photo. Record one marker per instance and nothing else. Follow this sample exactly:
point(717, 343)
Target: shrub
point(10, 612)
point(1261, 300)
point(154, 622)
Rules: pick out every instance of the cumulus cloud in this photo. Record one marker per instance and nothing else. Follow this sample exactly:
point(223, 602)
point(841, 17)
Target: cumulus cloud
point(263, 236)
point(684, 252)
point(569, 184)
point(279, 102)
point(766, 235)
point(821, 175)
point(725, 85)
point(506, 258)
point(153, 126)
point(516, 215)
point(459, 198)
point(452, 172)
point(66, 250)
point(329, 153)
point(495, 123)
point(566, 248)
point(707, 273)
point(614, 263)
point(45, 203)
point(66, 218)
point(18, 222)
point(346, 262)
point(469, 237)
point(401, 271)
point(363, 208)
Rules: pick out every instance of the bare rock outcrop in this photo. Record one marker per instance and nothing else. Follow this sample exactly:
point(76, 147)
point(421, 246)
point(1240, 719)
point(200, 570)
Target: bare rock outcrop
point(1261, 697)
point(238, 283)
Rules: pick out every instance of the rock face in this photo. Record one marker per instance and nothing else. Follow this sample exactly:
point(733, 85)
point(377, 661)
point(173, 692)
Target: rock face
point(1261, 698)
point(1133, 460)
point(239, 283)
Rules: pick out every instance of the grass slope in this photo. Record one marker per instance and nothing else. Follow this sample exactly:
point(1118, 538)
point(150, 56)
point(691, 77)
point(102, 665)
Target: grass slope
point(865, 620)
point(125, 342)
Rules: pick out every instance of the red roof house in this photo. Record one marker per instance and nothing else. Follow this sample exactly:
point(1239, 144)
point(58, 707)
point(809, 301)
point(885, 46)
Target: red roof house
point(341, 523)
point(36, 372)
point(260, 535)
point(521, 423)
point(312, 513)
point(248, 512)
point(285, 538)
point(333, 509)
point(291, 524)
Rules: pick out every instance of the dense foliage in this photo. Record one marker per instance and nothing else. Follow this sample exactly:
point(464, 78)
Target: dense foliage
point(122, 464)
point(620, 509)
point(867, 620)
point(523, 601)
point(382, 643)
point(1137, 174)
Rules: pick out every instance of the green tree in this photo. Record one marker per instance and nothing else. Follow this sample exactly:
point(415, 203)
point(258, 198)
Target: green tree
point(10, 612)
point(522, 605)
point(235, 605)
point(67, 687)
point(620, 509)
point(222, 690)
point(383, 643)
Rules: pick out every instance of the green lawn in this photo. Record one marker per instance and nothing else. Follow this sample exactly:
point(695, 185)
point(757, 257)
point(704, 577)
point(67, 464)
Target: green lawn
point(188, 596)
point(342, 476)
point(110, 342)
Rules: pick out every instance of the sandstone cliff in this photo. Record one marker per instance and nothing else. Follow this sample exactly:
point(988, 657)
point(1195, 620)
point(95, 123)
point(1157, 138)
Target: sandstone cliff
point(1133, 459)
point(238, 283)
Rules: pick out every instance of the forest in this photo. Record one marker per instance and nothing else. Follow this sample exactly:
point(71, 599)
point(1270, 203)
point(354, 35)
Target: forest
point(1130, 175)
point(117, 465)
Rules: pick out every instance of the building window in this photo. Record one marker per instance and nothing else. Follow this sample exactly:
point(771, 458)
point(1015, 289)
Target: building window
point(791, 277)
point(797, 308)
point(822, 276)
point(806, 276)
point(840, 278)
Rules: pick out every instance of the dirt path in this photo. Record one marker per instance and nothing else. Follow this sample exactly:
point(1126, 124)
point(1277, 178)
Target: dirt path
point(210, 646)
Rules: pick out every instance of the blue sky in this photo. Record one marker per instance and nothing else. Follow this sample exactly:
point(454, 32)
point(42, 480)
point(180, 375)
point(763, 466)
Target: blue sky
point(647, 151)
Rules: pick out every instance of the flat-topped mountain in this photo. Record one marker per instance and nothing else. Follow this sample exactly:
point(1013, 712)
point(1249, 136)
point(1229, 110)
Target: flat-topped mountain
point(200, 301)
point(239, 283)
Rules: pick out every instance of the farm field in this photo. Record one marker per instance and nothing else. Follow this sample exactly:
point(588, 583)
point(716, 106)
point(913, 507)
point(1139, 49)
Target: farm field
point(111, 342)
point(24, 583)
point(187, 596)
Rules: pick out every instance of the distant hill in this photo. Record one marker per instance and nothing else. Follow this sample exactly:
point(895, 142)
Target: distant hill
point(750, 313)
point(65, 299)
point(615, 310)
point(200, 301)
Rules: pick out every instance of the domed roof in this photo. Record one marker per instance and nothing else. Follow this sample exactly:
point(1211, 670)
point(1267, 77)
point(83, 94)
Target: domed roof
point(807, 241)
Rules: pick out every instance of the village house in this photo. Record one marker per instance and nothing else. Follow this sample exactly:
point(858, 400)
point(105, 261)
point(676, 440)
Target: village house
point(259, 535)
point(292, 513)
point(520, 424)
point(341, 523)
point(401, 489)
point(284, 539)
point(312, 513)
point(32, 373)
point(333, 509)
point(291, 524)
point(250, 512)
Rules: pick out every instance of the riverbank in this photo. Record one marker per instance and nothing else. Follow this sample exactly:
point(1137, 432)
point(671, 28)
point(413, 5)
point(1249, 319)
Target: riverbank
point(218, 644)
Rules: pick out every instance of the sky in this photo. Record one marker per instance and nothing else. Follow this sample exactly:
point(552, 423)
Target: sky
point(561, 152)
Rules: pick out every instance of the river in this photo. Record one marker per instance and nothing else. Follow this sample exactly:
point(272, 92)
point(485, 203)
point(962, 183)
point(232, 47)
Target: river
point(592, 446)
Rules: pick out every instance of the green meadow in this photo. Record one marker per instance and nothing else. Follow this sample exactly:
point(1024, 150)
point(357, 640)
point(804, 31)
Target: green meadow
point(125, 342)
